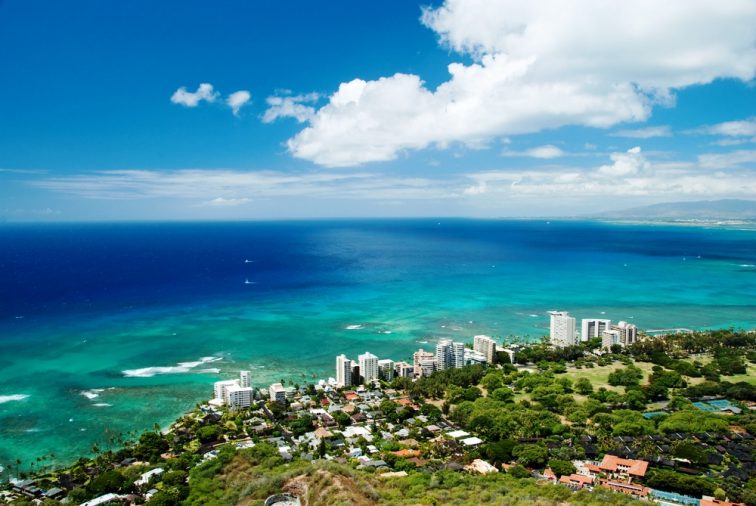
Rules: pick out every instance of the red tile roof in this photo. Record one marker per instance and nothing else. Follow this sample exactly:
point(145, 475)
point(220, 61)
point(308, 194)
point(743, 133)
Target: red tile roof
point(613, 464)
point(576, 479)
point(627, 488)
point(592, 468)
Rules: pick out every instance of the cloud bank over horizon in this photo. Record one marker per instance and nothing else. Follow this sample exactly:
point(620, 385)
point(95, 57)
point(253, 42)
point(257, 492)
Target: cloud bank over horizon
point(535, 66)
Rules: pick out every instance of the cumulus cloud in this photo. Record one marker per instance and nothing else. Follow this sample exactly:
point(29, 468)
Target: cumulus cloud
point(537, 65)
point(625, 164)
point(630, 174)
point(645, 133)
point(290, 107)
point(205, 92)
point(237, 100)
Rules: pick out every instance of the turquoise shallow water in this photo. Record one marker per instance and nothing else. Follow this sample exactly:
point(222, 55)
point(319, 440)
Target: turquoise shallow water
point(83, 304)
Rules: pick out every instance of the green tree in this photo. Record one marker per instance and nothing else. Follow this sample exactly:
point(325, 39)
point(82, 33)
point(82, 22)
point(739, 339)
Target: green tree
point(503, 394)
point(109, 481)
point(530, 455)
point(583, 386)
point(634, 399)
point(561, 467)
point(499, 452)
point(208, 433)
point(519, 471)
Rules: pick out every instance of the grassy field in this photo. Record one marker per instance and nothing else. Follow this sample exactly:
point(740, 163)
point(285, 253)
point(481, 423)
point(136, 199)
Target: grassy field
point(599, 375)
point(749, 377)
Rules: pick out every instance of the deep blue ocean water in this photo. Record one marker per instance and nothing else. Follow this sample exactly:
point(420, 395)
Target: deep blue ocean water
point(82, 303)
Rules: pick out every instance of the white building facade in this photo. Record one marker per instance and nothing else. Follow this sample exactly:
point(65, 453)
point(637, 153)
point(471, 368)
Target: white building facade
point(562, 329)
point(277, 392)
point(449, 355)
point(343, 371)
point(245, 379)
point(418, 358)
point(368, 367)
point(591, 328)
point(238, 397)
point(628, 333)
point(221, 387)
point(486, 346)
point(386, 369)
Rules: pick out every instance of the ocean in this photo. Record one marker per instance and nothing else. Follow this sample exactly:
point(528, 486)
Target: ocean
point(109, 329)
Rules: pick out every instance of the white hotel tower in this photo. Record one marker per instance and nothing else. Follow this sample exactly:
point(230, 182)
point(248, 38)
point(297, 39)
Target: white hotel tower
point(591, 328)
point(368, 367)
point(562, 329)
point(343, 370)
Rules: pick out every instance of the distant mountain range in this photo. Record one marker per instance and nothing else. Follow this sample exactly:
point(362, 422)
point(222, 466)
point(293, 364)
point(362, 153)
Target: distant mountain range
point(727, 209)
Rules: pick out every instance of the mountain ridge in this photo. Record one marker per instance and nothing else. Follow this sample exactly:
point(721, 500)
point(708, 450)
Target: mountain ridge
point(701, 209)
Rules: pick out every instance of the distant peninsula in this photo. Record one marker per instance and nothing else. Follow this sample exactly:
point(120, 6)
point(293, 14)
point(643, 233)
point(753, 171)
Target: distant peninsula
point(701, 210)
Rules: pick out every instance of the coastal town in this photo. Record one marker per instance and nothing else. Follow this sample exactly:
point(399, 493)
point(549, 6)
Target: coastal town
point(609, 414)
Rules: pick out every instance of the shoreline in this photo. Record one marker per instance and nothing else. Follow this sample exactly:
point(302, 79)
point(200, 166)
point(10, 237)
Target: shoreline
point(175, 416)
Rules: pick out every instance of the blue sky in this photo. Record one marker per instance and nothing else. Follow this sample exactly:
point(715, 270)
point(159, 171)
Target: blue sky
point(256, 110)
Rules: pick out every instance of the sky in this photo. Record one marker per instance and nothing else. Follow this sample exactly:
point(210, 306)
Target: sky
point(237, 110)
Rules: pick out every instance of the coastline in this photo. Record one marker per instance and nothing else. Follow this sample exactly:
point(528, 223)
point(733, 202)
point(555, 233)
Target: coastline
point(419, 281)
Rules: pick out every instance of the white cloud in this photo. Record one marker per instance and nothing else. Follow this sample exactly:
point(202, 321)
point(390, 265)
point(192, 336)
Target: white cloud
point(221, 202)
point(727, 160)
point(192, 99)
point(625, 164)
point(237, 100)
point(538, 65)
point(546, 152)
point(731, 133)
point(645, 133)
point(233, 188)
point(630, 174)
point(741, 128)
point(290, 107)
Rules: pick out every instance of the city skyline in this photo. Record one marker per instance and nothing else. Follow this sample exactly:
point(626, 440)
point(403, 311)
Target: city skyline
point(455, 108)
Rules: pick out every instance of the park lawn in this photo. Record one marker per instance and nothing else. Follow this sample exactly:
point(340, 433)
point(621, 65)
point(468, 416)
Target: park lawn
point(748, 377)
point(599, 375)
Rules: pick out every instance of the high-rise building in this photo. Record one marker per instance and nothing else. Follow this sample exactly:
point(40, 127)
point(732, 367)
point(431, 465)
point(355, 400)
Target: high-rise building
point(277, 392)
point(473, 357)
point(628, 333)
point(449, 355)
point(443, 354)
point(368, 367)
point(386, 369)
point(343, 371)
point(356, 377)
point(418, 357)
point(427, 366)
point(609, 338)
point(458, 355)
point(486, 346)
point(238, 397)
point(591, 328)
point(562, 331)
point(220, 388)
point(245, 379)
point(404, 369)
